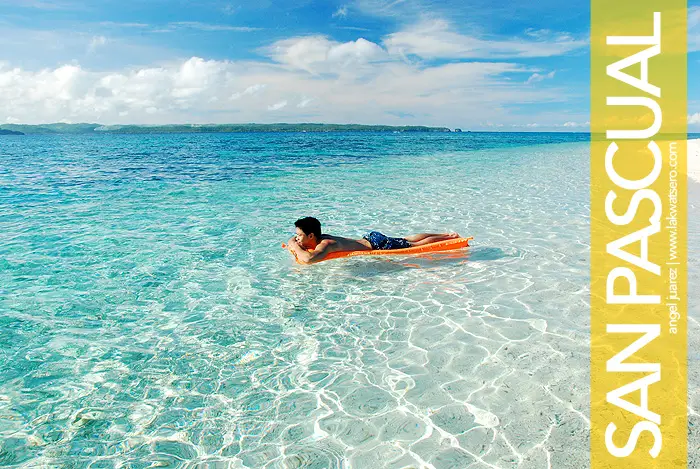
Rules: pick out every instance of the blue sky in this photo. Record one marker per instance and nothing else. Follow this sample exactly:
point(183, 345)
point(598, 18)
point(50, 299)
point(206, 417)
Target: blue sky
point(510, 65)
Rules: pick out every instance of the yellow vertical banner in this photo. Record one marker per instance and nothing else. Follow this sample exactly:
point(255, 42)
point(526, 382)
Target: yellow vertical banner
point(638, 234)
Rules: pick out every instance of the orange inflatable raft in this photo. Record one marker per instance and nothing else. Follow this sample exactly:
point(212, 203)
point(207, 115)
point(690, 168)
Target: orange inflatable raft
point(449, 245)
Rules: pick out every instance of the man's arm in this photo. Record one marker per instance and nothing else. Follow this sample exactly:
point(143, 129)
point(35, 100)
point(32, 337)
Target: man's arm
point(306, 257)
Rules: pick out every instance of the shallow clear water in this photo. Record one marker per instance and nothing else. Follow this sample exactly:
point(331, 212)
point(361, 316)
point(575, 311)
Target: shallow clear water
point(150, 318)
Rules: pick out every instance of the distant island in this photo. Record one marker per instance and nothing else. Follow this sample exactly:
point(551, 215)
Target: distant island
point(10, 132)
point(208, 128)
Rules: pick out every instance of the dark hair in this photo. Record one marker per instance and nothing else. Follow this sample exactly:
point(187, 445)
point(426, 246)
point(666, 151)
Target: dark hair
point(309, 225)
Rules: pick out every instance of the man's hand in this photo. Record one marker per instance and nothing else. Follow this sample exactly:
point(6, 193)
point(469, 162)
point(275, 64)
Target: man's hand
point(296, 248)
point(292, 243)
point(304, 256)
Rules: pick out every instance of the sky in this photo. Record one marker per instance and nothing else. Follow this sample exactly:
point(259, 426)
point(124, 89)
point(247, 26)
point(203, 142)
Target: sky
point(475, 64)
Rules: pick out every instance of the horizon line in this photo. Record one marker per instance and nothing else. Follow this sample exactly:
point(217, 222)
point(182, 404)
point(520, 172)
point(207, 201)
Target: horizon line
point(524, 129)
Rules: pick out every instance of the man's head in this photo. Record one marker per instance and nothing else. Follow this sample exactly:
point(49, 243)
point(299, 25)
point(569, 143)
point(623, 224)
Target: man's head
point(308, 233)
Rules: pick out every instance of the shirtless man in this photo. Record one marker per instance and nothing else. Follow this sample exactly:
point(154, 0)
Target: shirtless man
point(310, 245)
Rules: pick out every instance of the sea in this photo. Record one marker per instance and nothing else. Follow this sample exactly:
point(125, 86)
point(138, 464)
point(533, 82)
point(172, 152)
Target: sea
point(150, 318)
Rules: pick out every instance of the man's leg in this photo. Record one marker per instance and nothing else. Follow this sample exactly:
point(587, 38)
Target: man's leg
point(420, 236)
point(427, 238)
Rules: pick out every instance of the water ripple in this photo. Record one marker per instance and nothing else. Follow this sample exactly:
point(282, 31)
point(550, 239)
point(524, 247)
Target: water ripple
point(150, 319)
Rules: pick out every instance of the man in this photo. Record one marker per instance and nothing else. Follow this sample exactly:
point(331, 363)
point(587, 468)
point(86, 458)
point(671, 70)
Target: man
point(310, 245)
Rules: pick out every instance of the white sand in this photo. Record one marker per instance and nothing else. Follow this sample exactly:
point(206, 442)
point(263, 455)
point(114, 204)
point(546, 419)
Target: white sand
point(694, 160)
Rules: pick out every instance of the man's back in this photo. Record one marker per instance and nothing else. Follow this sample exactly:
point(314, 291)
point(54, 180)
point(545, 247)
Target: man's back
point(338, 243)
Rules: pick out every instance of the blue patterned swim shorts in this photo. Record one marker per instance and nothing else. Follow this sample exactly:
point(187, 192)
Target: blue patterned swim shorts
point(380, 241)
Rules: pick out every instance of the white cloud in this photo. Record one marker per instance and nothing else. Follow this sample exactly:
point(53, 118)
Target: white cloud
point(391, 8)
point(694, 28)
point(538, 33)
point(277, 106)
point(353, 28)
point(536, 77)
point(435, 39)
point(694, 119)
point(250, 91)
point(208, 27)
point(96, 42)
point(693, 17)
point(123, 25)
point(34, 49)
point(354, 81)
point(567, 126)
point(71, 92)
point(224, 91)
point(341, 12)
point(304, 102)
point(230, 8)
point(318, 54)
point(41, 4)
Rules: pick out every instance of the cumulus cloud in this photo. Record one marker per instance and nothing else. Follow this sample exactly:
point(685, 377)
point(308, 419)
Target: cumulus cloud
point(74, 93)
point(245, 91)
point(536, 77)
point(694, 119)
point(435, 39)
point(332, 81)
point(318, 54)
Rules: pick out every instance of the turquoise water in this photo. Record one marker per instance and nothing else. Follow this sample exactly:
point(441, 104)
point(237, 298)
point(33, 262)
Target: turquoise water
point(149, 317)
